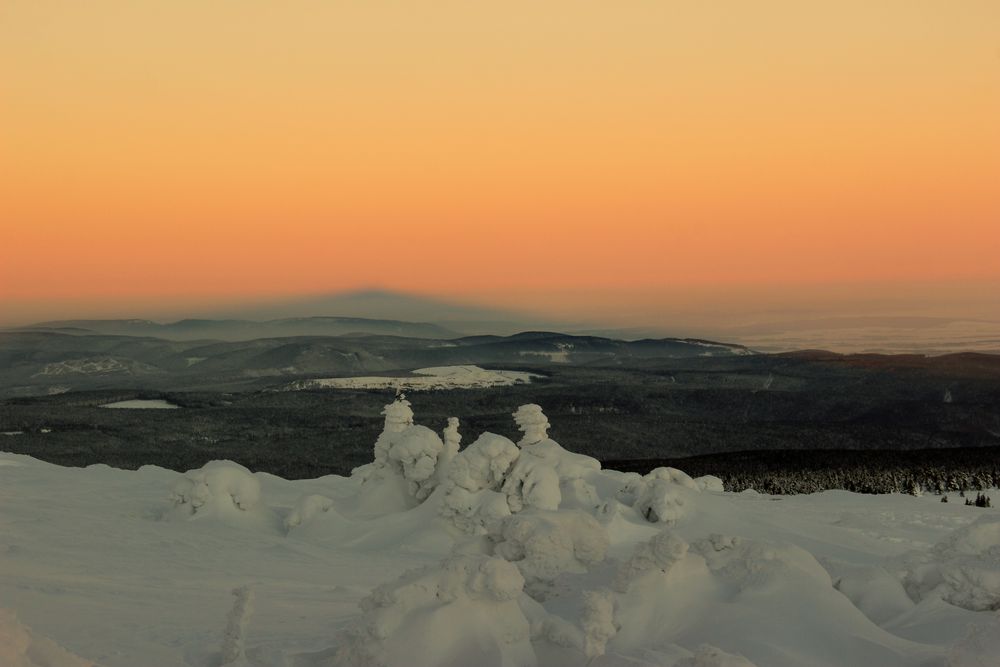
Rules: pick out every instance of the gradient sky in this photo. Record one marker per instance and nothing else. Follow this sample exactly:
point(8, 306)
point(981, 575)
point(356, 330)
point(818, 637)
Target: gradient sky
point(559, 153)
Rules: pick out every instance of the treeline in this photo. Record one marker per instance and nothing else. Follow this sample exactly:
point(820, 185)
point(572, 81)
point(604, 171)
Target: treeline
point(867, 432)
point(953, 470)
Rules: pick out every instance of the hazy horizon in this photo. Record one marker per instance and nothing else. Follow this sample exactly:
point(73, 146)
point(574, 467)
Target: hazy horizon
point(687, 163)
point(934, 318)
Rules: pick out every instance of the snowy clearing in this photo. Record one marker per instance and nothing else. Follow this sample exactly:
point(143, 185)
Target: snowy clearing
point(438, 377)
point(495, 554)
point(143, 404)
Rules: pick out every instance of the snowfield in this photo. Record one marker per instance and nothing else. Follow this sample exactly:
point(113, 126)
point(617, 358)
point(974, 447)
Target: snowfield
point(438, 377)
point(142, 404)
point(494, 554)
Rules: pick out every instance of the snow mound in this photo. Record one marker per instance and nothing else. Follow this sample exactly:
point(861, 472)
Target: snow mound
point(306, 508)
point(747, 564)
point(464, 612)
point(709, 483)
point(219, 488)
point(871, 588)
point(19, 647)
point(963, 569)
point(673, 476)
point(662, 496)
point(544, 544)
point(658, 555)
point(661, 501)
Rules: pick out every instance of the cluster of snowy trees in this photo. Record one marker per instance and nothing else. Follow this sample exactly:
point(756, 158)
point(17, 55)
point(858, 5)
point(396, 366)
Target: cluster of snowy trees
point(982, 500)
point(525, 516)
point(940, 471)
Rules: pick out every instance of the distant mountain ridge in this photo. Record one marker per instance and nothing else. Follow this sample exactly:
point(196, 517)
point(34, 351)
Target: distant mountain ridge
point(467, 318)
point(236, 330)
point(34, 361)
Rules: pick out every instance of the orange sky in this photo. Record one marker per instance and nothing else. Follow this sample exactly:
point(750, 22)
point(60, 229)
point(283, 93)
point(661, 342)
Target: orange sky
point(193, 151)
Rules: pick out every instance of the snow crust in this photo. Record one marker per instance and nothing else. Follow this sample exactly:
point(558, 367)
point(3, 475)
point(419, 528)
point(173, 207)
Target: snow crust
point(496, 554)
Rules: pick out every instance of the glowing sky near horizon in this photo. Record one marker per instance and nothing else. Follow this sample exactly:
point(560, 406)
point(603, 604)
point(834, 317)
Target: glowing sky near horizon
point(189, 151)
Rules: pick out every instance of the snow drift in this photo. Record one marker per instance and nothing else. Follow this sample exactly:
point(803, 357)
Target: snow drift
point(500, 553)
point(219, 488)
point(963, 569)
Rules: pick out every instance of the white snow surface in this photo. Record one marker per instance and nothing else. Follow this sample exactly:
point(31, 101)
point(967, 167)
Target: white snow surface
point(142, 404)
point(498, 554)
point(424, 379)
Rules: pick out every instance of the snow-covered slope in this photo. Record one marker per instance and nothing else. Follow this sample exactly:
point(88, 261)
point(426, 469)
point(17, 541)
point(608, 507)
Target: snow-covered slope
point(499, 553)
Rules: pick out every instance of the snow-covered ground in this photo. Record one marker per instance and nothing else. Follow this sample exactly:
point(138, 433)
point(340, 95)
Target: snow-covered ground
point(142, 404)
point(94, 366)
point(500, 553)
point(424, 379)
